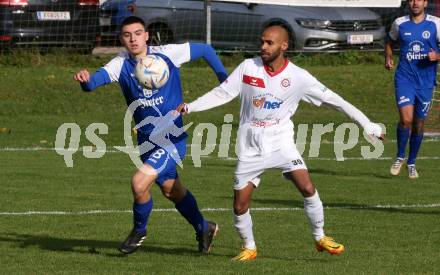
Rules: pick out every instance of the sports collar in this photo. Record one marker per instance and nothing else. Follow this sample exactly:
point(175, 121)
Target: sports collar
point(272, 74)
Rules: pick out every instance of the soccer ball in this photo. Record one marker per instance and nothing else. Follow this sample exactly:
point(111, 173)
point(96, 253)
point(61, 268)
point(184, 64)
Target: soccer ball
point(152, 72)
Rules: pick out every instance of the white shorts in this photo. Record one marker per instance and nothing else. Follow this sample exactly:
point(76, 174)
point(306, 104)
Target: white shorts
point(250, 170)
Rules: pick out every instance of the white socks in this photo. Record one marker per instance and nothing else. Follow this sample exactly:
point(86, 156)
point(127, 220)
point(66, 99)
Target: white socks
point(243, 225)
point(315, 214)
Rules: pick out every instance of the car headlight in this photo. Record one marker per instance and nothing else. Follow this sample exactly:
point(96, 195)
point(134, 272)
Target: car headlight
point(313, 23)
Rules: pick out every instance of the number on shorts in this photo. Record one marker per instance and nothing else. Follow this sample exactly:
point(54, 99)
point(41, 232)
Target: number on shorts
point(158, 154)
point(426, 106)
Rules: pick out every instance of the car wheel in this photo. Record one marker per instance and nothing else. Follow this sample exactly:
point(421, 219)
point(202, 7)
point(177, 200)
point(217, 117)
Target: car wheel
point(159, 34)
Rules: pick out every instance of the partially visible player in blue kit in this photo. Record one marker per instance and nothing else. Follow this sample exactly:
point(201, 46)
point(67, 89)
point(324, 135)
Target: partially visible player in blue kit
point(159, 161)
point(418, 35)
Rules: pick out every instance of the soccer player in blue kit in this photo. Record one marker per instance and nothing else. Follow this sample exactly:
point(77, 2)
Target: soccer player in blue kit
point(418, 35)
point(158, 163)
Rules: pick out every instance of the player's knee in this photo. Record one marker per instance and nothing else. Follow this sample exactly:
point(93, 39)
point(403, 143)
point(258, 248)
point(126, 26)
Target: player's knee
point(141, 182)
point(406, 122)
point(138, 186)
point(241, 207)
point(173, 191)
point(168, 193)
point(173, 196)
point(308, 190)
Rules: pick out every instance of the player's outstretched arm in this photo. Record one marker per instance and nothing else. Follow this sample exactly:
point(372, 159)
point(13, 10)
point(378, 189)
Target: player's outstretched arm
point(89, 83)
point(214, 98)
point(198, 50)
point(337, 102)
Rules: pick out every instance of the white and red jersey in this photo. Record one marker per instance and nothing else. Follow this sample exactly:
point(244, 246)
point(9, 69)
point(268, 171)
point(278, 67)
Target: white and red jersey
point(268, 101)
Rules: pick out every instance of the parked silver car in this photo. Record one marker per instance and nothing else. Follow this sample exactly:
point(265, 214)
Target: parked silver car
point(238, 25)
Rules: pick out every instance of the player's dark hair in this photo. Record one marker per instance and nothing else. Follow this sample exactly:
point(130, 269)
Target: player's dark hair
point(132, 20)
point(280, 24)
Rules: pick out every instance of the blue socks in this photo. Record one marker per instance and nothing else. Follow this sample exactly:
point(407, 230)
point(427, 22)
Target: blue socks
point(141, 212)
point(403, 134)
point(402, 140)
point(414, 145)
point(188, 208)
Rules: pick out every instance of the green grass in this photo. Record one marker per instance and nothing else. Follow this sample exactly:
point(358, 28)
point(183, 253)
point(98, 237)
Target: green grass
point(36, 100)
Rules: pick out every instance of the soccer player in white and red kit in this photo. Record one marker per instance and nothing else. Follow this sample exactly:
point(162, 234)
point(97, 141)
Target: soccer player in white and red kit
point(270, 88)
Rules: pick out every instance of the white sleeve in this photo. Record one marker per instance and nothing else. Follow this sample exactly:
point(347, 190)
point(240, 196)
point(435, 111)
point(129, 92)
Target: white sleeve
point(227, 91)
point(394, 31)
point(211, 99)
point(233, 84)
point(437, 26)
point(114, 67)
point(338, 103)
point(177, 53)
point(315, 92)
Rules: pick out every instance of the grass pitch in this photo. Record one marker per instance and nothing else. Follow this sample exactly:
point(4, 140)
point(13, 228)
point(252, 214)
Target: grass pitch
point(390, 225)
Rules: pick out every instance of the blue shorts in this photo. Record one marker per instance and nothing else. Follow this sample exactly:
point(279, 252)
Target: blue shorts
point(420, 98)
point(163, 159)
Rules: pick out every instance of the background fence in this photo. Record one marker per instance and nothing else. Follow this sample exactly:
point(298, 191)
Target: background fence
point(83, 24)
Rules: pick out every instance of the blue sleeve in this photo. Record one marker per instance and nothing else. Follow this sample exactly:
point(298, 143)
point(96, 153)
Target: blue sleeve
point(198, 50)
point(99, 78)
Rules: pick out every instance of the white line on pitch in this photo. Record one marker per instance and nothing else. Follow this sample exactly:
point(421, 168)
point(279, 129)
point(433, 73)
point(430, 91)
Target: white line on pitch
point(334, 159)
point(227, 158)
point(259, 209)
point(25, 149)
